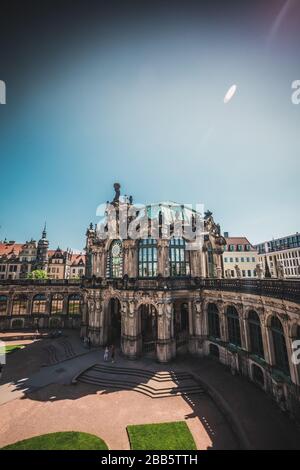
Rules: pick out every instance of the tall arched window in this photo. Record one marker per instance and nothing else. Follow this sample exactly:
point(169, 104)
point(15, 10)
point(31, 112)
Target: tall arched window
point(233, 323)
point(74, 304)
point(57, 303)
point(114, 268)
point(39, 304)
point(256, 343)
point(213, 321)
point(19, 305)
point(179, 258)
point(281, 357)
point(147, 257)
point(3, 304)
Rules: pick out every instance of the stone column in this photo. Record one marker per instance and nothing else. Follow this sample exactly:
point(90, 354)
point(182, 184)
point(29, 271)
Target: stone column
point(196, 338)
point(65, 304)
point(131, 330)
point(130, 251)
point(165, 347)
point(163, 257)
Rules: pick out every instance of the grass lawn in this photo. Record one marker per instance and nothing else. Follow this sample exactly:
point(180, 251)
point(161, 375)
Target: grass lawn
point(161, 436)
point(9, 348)
point(60, 441)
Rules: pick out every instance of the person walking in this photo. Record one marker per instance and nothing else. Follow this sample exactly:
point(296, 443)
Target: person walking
point(106, 353)
point(112, 353)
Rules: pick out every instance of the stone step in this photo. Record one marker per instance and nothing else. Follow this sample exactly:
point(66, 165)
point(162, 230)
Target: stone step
point(151, 374)
point(141, 388)
point(146, 382)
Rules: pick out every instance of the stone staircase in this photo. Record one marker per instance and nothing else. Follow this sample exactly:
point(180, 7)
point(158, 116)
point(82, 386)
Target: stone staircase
point(59, 351)
point(153, 384)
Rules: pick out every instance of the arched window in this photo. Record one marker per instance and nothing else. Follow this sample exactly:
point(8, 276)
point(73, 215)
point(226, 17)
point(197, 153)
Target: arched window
point(147, 257)
point(256, 343)
point(3, 304)
point(19, 306)
point(39, 304)
point(114, 268)
point(213, 321)
point(57, 303)
point(74, 304)
point(179, 258)
point(281, 357)
point(233, 323)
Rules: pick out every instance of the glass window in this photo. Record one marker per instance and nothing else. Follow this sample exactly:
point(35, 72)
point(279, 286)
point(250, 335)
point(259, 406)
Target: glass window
point(3, 304)
point(115, 260)
point(256, 344)
point(57, 303)
point(39, 304)
point(233, 324)
point(74, 304)
point(179, 258)
point(281, 357)
point(19, 305)
point(148, 257)
point(213, 321)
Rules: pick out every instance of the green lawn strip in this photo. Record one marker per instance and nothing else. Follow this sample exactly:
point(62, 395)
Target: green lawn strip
point(161, 436)
point(60, 441)
point(9, 348)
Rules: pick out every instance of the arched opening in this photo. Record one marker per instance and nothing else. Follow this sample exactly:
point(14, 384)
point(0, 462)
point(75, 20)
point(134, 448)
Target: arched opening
point(181, 323)
point(17, 324)
point(213, 321)
point(179, 258)
point(258, 375)
point(39, 304)
point(114, 321)
point(233, 324)
point(19, 306)
point(3, 304)
point(57, 303)
point(74, 304)
point(214, 351)
point(256, 343)
point(280, 351)
point(114, 266)
point(147, 263)
point(149, 328)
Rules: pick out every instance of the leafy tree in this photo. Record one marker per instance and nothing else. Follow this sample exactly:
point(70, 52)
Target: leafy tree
point(37, 274)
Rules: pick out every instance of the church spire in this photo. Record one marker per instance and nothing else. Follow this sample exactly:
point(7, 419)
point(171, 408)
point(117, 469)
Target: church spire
point(44, 233)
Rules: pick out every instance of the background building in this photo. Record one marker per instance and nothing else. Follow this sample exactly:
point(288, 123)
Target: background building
point(240, 258)
point(18, 260)
point(280, 257)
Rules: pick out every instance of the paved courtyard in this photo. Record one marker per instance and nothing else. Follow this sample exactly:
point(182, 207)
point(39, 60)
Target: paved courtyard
point(37, 396)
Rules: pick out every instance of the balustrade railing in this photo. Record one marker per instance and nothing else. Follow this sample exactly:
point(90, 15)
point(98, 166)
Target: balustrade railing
point(286, 289)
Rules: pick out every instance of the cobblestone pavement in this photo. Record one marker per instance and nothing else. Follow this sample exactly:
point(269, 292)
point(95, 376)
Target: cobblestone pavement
point(37, 399)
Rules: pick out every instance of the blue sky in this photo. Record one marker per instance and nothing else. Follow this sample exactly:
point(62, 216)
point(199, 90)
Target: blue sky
point(142, 104)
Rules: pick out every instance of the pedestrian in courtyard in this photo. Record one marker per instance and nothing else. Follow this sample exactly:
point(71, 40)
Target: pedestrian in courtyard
point(106, 353)
point(89, 343)
point(112, 353)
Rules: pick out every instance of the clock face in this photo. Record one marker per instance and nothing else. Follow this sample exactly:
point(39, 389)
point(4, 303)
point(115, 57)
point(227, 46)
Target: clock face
point(116, 250)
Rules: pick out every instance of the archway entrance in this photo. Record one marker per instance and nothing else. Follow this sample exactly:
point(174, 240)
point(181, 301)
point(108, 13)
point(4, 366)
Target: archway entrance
point(114, 322)
point(181, 324)
point(149, 330)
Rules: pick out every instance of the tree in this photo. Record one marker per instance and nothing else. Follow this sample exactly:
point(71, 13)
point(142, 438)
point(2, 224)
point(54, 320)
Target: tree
point(37, 274)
